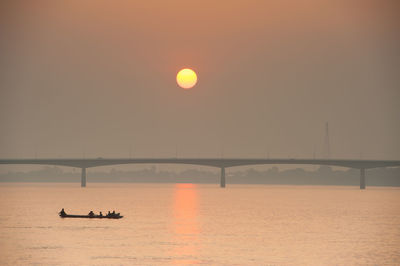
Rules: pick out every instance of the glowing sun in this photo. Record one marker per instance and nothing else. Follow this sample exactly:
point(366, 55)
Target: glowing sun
point(186, 78)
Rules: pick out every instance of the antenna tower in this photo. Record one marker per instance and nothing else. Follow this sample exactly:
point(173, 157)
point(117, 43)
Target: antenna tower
point(327, 147)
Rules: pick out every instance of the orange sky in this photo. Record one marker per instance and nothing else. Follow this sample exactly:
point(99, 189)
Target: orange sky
point(100, 76)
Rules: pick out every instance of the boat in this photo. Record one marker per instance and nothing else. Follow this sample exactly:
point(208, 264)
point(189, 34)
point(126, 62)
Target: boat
point(62, 214)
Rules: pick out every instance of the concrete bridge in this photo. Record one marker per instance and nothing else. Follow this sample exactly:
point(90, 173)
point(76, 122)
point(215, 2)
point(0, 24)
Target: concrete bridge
point(221, 163)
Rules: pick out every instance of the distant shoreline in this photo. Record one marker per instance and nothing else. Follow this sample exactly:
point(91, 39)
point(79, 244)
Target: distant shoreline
point(323, 176)
point(182, 183)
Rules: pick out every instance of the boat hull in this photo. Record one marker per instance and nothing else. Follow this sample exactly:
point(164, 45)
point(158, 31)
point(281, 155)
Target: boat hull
point(90, 216)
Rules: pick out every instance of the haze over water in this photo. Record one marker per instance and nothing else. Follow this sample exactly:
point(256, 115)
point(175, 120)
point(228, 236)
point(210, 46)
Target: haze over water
point(199, 224)
point(97, 79)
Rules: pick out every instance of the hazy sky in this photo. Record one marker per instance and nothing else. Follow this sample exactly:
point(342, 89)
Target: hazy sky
point(97, 77)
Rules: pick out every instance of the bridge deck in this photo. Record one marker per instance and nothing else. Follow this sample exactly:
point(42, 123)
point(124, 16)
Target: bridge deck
point(214, 162)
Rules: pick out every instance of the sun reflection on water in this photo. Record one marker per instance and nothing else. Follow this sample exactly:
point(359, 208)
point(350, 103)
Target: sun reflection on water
point(185, 225)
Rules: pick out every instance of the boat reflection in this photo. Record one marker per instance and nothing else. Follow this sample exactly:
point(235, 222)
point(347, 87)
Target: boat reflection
point(186, 224)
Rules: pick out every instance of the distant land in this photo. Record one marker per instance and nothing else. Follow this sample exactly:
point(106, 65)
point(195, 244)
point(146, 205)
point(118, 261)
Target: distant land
point(323, 175)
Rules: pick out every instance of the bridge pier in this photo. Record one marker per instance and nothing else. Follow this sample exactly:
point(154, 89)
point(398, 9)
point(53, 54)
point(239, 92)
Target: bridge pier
point(83, 177)
point(222, 184)
point(362, 178)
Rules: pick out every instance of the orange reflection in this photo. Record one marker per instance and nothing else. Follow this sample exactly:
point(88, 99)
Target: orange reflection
point(185, 223)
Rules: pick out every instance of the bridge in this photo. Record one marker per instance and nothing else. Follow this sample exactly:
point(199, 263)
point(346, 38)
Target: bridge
point(221, 163)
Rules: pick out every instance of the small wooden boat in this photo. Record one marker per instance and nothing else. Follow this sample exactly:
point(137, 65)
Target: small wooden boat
point(92, 216)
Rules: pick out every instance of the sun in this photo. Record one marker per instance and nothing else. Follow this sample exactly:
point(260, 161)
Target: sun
point(186, 78)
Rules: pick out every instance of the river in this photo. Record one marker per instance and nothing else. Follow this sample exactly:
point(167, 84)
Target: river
point(172, 224)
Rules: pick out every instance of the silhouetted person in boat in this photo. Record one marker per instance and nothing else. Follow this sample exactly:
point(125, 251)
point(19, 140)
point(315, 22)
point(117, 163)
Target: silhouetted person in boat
point(91, 213)
point(113, 213)
point(101, 214)
point(62, 212)
point(109, 213)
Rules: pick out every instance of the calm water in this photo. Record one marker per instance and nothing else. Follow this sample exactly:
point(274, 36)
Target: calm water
point(199, 224)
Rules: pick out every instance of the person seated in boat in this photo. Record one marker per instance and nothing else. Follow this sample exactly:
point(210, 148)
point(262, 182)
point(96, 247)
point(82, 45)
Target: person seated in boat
point(62, 212)
point(113, 213)
point(91, 213)
point(109, 213)
point(101, 214)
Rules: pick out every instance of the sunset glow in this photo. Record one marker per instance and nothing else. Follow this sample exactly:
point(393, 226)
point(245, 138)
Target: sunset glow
point(186, 78)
